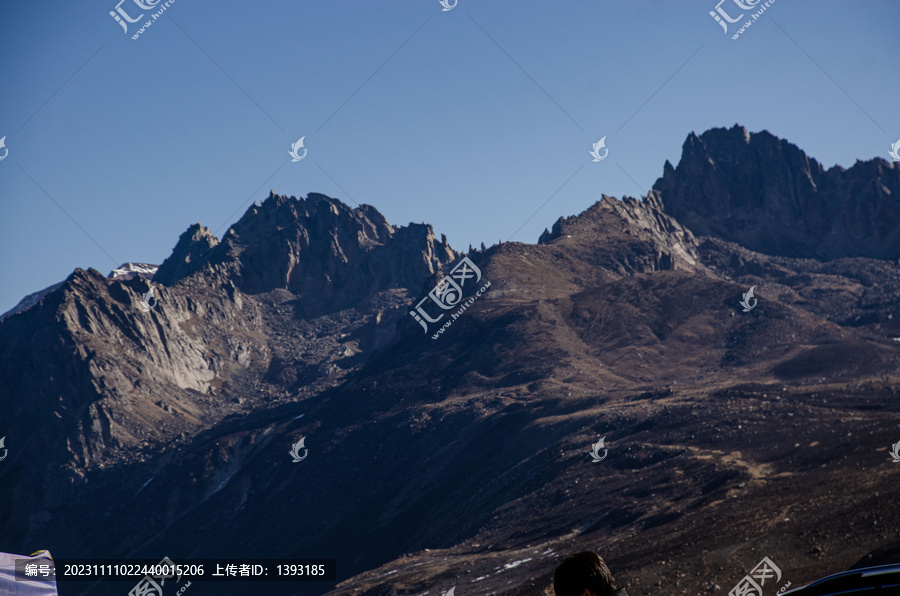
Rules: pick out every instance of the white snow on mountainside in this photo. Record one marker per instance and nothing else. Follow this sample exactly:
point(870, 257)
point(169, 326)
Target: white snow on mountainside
point(132, 270)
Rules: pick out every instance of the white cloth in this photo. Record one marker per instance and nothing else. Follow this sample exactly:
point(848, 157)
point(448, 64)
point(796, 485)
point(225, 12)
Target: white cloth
point(31, 587)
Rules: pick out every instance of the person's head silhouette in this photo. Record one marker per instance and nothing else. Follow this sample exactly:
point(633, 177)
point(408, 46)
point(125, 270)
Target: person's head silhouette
point(585, 574)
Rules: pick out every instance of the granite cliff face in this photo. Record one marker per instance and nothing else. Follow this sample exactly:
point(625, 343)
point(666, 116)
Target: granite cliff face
point(629, 236)
point(462, 460)
point(291, 300)
point(765, 194)
point(329, 255)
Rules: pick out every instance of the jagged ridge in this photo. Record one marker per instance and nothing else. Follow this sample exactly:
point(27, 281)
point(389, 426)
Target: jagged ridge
point(767, 195)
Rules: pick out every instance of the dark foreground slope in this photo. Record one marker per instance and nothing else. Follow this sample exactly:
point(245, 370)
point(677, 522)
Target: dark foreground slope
point(732, 436)
point(461, 460)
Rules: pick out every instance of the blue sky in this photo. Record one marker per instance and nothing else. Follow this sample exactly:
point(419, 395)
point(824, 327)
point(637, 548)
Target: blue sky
point(469, 119)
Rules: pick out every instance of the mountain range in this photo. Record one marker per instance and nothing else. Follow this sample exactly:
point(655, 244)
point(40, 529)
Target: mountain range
point(460, 458)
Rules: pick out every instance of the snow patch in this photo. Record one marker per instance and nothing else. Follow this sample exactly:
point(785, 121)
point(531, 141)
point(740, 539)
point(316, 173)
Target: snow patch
point(513, 565)
point(132, 270)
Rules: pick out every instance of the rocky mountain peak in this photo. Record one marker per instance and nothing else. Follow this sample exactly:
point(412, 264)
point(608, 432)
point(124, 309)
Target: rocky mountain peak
point(767, 195)
point(192, 249)
point(635, 234)
point(317, 247)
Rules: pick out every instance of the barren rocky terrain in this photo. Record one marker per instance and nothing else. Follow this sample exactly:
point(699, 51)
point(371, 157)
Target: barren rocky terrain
point(463, 460)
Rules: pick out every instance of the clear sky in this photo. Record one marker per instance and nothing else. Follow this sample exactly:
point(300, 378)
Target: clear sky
point(473, 119)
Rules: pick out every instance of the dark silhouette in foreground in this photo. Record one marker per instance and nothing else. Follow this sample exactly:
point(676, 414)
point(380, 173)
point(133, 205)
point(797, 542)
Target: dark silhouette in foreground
point(873, 581)
point(585, 574)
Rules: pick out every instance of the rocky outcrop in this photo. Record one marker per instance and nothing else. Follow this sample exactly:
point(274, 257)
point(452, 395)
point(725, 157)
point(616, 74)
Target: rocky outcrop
point(88, 352)
point(91, 357)
point(233, 324)
point(765, 194)
point(190, 254)
point(328, 254)
point(628, 236)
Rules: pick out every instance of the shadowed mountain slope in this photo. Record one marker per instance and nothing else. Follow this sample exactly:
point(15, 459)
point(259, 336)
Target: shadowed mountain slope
point(767, 195)
point(462, 460)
